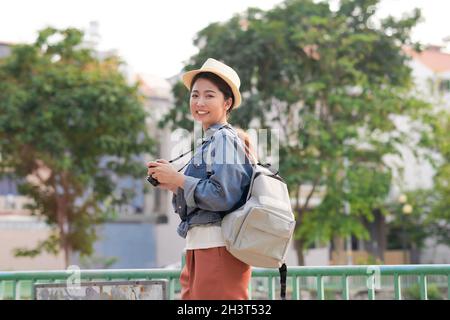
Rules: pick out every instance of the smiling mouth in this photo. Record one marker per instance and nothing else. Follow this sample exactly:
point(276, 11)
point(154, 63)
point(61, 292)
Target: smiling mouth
point(202, 113)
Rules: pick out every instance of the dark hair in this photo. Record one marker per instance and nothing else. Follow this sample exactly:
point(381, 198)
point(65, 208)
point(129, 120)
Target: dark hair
point(219, 82)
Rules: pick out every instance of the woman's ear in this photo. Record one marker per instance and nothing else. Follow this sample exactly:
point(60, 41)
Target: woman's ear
point(228, 104)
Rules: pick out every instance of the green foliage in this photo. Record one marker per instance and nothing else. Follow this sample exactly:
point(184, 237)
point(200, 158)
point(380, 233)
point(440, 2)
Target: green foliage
point(429, 217)
point(331, 294)
point(69, 124)
point(431, 207)
point(370, 260)
point(433, 292)
point(50, 245)
point(438, 217)
point(344, 77)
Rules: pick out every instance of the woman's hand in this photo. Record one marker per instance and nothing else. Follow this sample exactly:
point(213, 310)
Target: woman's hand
point(167, 176)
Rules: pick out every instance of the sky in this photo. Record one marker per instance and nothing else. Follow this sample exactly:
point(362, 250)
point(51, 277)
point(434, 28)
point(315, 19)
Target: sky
point(156, 37)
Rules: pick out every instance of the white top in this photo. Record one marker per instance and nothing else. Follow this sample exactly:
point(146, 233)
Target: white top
point(203, 237)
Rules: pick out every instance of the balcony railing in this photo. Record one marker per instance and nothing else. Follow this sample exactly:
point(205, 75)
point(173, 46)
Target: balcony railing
point(264, 285)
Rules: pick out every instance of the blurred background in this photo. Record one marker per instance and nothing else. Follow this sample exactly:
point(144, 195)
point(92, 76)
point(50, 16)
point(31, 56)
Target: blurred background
point(90, 91)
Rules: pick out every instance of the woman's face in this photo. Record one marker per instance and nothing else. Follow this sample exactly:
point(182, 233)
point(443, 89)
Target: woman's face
point(208, 104)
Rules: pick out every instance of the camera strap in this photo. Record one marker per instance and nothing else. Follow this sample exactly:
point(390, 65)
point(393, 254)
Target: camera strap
point(182, 155)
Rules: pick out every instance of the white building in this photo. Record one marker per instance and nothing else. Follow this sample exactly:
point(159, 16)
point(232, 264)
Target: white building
point(431, 73)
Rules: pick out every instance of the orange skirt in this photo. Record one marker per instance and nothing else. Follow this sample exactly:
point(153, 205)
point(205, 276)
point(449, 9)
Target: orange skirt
point(214, 274)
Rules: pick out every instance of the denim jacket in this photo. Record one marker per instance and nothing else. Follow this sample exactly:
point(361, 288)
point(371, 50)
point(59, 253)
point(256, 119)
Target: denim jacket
point(206, 199)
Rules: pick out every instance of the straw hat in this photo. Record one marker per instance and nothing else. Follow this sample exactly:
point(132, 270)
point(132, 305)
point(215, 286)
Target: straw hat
point(222, 70)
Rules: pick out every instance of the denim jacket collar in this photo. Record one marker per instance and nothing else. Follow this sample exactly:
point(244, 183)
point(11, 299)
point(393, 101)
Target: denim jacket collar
point(212, 129)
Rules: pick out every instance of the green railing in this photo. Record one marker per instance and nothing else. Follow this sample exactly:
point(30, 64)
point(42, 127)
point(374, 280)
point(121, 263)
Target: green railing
point(264, 284)
point(19, 284)
point(373, 278)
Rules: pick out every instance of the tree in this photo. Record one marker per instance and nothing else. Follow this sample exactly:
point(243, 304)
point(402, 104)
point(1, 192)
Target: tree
point(69, 125)
point(332, 81)
point(438, 218)
point(407, 228)
point(432, 206)
point(430, 218)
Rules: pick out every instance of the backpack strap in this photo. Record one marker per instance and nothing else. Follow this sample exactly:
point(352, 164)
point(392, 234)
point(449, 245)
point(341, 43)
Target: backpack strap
point(208, 154)
point(283, 276)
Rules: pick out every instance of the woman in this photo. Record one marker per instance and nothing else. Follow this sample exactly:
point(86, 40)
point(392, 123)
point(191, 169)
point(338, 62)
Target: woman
point(213, 185)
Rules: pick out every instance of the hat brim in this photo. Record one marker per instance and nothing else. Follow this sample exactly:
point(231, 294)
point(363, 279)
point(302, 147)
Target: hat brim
point(189, 76)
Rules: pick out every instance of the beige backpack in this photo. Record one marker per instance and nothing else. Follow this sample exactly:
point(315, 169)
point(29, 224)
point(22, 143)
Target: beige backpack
point(259, 232)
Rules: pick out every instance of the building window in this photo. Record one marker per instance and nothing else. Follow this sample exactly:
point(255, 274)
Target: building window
point(444, 86)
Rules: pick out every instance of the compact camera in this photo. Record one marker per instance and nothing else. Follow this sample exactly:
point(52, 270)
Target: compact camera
point(153, 181)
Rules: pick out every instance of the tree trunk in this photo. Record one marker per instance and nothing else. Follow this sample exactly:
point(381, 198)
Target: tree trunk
point(300, 211)
point(382, 234)
point(339, 250)
point(67, 252)
point(62, 223)
point(298, 244)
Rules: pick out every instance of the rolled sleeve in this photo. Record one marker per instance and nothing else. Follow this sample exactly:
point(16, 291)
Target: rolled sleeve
point(190, 183)
point(177, 201)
